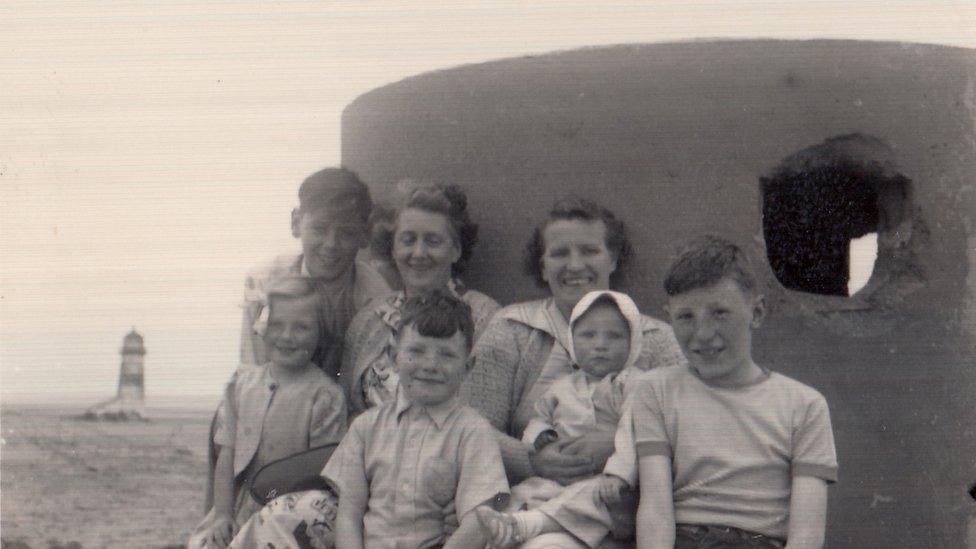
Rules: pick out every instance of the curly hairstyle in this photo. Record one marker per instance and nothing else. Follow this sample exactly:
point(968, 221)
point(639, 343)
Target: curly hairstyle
point(704, 262)
point(447, 200)
point(576, 208)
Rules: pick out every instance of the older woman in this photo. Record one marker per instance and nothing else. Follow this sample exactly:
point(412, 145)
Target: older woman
point(430, 241)
point(578, 248)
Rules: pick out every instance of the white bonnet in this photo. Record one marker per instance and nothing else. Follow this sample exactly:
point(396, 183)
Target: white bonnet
point(627, 308)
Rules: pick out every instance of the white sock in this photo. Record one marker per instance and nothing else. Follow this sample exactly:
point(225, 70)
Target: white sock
point(529, 524)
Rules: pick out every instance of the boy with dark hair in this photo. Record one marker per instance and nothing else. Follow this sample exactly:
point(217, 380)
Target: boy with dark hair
point(756, 449)
point(411, 473)
point(332, 222)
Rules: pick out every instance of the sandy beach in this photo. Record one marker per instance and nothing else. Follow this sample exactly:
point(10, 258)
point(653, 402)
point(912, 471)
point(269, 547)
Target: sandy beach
point(73, 483)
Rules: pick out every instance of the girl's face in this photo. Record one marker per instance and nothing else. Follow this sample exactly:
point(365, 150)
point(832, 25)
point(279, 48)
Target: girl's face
point(601, 341)
point(293, 332)
point(424, 250)
point(576, 260)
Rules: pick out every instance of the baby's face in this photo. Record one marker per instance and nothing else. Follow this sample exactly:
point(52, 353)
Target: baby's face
point(601, 339)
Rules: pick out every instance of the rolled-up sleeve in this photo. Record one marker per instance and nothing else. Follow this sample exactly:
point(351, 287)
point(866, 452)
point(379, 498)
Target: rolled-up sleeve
point(346, 468)
point(481, 479)
point(650, 431)
point(814, 453)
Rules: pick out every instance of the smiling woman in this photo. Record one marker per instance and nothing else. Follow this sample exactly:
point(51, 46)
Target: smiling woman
point(430, 240)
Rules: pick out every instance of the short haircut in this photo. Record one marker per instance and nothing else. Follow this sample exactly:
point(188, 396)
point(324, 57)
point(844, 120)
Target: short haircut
point(438, 313)
point(301, 289)
point(337, 190)
point(576, 208)
point(706, 261)
point(447, 200)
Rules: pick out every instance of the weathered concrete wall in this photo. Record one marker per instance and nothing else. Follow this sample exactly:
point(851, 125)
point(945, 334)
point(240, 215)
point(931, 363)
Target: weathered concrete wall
point(674, 138)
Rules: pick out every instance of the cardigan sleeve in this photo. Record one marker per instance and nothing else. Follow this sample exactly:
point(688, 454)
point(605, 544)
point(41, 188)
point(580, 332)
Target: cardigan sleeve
point(490, 388)
point(660, 348)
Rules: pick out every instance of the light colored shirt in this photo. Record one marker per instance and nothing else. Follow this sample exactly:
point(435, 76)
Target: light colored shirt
point(421, 471)
point(263, 419)
point(521, 353)
point(734, 450)
point(340, 301)
point(575, 405)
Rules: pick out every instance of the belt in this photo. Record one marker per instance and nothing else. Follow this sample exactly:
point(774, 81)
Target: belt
point(730, 533)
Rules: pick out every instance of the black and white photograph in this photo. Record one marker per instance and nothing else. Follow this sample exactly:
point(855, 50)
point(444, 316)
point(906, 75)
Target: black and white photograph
point(538, 275)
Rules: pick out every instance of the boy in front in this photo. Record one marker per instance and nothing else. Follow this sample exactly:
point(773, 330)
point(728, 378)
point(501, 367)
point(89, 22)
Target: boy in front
point(411, 473)
point(755, 453)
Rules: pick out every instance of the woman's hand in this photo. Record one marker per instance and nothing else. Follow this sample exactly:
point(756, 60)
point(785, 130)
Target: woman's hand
point(554, 464)
point(596, 446)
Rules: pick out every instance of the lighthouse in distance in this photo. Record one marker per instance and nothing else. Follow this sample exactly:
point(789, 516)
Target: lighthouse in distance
point(131, 374)
point(129, 400)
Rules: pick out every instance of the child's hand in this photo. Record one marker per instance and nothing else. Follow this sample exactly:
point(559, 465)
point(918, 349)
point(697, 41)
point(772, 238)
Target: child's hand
point(608, 492)
point(222, 531)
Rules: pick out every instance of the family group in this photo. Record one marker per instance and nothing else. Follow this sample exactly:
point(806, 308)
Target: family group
point(567, 422)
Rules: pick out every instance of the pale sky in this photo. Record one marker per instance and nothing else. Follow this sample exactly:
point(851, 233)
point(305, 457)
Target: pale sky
point(150, 152)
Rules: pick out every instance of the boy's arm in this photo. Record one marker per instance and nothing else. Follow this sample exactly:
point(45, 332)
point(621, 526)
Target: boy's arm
point(655, 513)
point(808, 513)
point(347, 469)
point(349, 521)
point(252, 347)
point(353, 498)
point(469, 534)
point(814, 465)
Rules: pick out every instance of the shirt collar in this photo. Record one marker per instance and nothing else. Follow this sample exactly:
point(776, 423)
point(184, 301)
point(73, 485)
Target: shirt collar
point(766, 374)
point(542, 315)
point(438, 414)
